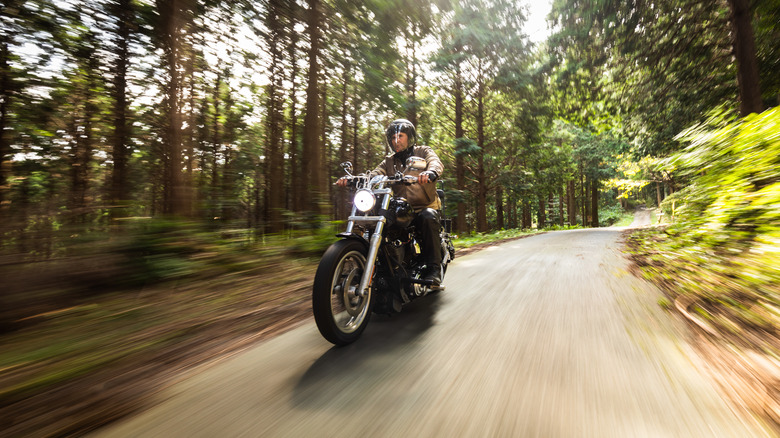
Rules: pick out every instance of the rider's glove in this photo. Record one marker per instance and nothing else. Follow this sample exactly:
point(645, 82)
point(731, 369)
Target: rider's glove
point(432, 175)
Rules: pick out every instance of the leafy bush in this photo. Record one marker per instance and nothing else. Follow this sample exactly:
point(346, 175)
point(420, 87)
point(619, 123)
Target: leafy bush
point(735, 174)
point(611, 215)
point(313, 243)
point(723, 248)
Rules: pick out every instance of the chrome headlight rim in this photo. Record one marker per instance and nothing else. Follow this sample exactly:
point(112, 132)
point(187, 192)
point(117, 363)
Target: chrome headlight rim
point(364, 200)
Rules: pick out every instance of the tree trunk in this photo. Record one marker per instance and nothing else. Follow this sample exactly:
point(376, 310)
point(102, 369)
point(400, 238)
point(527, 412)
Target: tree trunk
point(83, 133)
point(526, 215)
point(541, 215)
point(571, 204)
point(311, 124)
point(511, 212)
point(80, 155)
point(499, 208)
point(460, 166)
point(175, 14)
point(355, 134)
point(227, 179)
point(120, 140)
point(744, 47)
point(296, 187)
point(560, 208)
point(594, 204)
point(216, 144)
point(189, 141)
point(5, 98)
point(341, 203)
point(258, 210)
point(274, 151)
point(258, 213)
point(481, 182)
point(326, 207)
point(583, 187)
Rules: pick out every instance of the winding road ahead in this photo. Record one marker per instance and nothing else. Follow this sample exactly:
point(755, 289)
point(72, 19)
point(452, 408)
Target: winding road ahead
point(547, 336)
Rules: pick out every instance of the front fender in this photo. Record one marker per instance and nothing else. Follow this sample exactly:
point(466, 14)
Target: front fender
point(354, 236)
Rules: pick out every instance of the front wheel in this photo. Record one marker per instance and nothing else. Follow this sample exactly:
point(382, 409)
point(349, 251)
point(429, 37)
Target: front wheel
point(340, 313)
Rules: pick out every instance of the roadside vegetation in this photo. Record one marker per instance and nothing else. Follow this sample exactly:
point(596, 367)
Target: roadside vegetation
point(727, 219)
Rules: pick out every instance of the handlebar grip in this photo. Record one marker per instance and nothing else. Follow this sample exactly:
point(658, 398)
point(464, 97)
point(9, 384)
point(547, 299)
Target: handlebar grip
point(409, 180)
point(349, 179)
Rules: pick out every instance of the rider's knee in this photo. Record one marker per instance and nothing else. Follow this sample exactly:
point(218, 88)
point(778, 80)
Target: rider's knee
point(429, 214)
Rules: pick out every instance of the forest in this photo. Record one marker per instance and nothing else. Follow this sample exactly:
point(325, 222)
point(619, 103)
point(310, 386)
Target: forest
point(237, 114)
point(121, 117)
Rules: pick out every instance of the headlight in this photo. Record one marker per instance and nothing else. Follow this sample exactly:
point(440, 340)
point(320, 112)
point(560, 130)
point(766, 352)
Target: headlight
point(364, 200)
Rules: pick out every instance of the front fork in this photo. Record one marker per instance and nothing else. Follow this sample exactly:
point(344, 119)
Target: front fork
point(374, 242)
point(373, 251)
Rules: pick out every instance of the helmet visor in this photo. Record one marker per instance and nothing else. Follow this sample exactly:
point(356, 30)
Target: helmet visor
point(396, 128)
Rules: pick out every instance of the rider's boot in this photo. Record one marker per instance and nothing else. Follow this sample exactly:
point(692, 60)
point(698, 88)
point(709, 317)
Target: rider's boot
point(428, 223)
point(433, 274)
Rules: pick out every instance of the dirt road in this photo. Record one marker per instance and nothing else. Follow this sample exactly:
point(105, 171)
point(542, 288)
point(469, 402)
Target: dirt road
point(548, 336)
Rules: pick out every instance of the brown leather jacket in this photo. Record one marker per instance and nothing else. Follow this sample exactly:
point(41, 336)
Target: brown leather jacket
point(419, 195)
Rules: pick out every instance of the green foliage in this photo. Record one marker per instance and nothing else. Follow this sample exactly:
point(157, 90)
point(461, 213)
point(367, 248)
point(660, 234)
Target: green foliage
point(734, 170)
point(723, 250)
point(614, 215)
point(313, 243)
point(466, 147)
point(557, 227)
point(462, 242)
point(632, 176)
point(159, 250)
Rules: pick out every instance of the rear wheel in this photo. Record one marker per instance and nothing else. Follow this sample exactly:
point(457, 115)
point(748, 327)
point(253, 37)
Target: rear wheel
point(340, 313)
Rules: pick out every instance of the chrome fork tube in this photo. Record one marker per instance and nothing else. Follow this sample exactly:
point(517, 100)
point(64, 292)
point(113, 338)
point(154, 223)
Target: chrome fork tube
point(373, 250)
point(351, 224)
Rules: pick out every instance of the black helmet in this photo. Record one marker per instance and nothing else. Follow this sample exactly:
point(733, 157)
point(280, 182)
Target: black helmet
point(401, 125)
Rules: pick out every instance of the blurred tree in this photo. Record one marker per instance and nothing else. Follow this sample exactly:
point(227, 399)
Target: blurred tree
point(296, 198)
point(744, 48)
point(277, 21)
point(648, 70)
point(311, 154)
point(216, 119)
point(449, 59)
point(175, 16)
point(86, 85)
point(25, 24)
point(662, 65)
point(490, 39)
point(123, 29)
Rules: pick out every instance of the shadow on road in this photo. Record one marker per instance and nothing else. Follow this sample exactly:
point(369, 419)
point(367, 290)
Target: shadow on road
point(337, 369)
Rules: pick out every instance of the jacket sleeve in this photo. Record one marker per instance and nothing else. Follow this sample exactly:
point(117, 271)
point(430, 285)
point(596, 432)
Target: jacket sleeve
point(434, 163)
point(381, 169)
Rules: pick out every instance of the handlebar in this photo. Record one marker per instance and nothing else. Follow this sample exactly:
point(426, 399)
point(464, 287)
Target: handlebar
point(353, 180)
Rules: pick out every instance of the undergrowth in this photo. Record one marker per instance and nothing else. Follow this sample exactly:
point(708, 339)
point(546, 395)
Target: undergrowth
point(719, 259)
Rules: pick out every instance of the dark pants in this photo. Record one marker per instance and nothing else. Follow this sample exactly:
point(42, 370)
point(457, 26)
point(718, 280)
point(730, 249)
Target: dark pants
point(427, 224)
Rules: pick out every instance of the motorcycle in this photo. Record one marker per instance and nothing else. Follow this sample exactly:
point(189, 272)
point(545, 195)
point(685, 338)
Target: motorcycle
point(376, 265)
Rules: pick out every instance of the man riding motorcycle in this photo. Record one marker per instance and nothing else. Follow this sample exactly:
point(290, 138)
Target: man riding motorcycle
point(402, 137)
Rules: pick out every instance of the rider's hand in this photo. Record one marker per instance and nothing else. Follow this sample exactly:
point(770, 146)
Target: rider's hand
point(342, 182)
point(427, 176)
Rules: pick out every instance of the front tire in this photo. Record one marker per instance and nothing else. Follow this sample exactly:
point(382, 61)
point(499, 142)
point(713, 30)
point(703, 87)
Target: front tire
point(341, 315)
